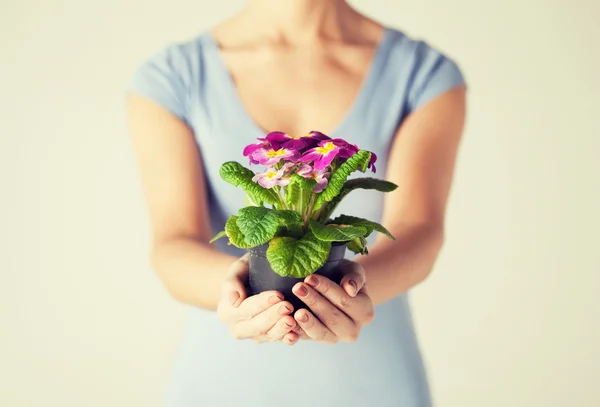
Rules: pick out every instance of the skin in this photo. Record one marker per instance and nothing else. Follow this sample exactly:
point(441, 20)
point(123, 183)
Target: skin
point(318, 51)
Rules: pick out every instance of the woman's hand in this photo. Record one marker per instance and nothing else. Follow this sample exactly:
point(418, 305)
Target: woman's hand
point(264, 317)
point(341, 310)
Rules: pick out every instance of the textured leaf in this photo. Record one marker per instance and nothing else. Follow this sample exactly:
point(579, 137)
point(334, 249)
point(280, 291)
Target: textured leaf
point(358, 161)
point(308, 184)
point(236, 237)
point(251, 200)
point(287, 218)
point(354, 221)
point(368, 183)
point(257, 224)
point(218, 236)
point(238, 175)
point(351, 185)
point(291, 257)
point(334, 233)
point(299, 190)
point(358, 245)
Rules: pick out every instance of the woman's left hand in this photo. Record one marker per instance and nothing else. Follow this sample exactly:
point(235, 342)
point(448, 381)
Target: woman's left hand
point(341, 310)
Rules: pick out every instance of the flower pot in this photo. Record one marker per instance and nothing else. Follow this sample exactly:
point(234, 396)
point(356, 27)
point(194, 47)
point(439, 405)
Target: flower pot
point(263, 278)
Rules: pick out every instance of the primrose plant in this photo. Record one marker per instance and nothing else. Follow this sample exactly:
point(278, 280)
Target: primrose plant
point(289, 202)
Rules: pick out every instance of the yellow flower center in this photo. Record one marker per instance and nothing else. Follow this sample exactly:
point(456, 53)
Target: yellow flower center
point(276, 153)
point(327, 148)
point(271, 174)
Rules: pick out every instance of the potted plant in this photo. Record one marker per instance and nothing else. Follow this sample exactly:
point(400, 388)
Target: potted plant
point(286, 222)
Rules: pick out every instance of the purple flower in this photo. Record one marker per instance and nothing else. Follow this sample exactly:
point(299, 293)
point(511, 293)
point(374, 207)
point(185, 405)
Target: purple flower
point(347, 150)
point(272, 177)
point(320, 176)
point(270, 156)
point(280, 139)
point(250, 149)
point(371, 164)
point(322, 155)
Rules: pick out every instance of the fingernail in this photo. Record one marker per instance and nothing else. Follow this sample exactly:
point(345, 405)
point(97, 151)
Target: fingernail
point(284, 309)
point(274, 299)
point(302, 291)
point(288, 324)
point(353, 288)
point(312, 281)
point(233, 297)
point(303, 318)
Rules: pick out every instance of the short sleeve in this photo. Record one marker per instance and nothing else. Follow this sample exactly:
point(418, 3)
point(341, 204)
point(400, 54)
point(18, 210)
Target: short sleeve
point(435, 74)
point(163, 79)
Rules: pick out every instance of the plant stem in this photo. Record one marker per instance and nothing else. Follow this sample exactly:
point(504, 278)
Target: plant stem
point(309, 210)
point(283, 205)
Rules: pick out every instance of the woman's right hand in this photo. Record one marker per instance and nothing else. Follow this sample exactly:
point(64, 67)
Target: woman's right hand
point(264, 317)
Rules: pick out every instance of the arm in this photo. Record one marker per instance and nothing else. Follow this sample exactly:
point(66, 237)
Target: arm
point(421, 163)
point(173, 183)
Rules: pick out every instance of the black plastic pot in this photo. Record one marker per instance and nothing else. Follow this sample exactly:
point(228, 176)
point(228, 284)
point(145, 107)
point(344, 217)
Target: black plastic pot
point(263, 278)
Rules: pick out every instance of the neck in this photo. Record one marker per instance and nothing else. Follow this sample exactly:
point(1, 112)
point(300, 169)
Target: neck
point(297, 21)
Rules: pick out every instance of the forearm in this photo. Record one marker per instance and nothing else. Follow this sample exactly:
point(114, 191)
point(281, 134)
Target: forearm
point(394, 267)
point(191, 270)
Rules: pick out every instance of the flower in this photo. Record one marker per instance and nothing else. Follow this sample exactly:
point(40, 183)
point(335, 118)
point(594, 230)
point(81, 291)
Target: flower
point(272, 177)
point(320, 176)
point(322, 155)
point(280, 139)
point(371, 164)
point(251, 148)
point(271, 156)
point(347, 150)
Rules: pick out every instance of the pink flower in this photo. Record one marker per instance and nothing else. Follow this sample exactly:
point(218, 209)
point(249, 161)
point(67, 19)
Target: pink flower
point(347, 150)
point(272, 177)
point(250, 149)
point(270, 156)
point(320, 176)
point(280, 139)
point(322, 155)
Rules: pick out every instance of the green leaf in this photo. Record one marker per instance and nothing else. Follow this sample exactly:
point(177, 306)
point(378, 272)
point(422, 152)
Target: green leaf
point(259, 225)
point(236, 237)
point(218, 236)
point(358, 161)
point(251, 200)
point(238, 175)
point(351, 185)
point(367, 224)
point(295, 258)
point(335, 233)
point(368, 183)
point(288, 218)
point(358, 245)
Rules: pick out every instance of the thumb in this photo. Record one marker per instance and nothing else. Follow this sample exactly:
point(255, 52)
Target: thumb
point(234, 289)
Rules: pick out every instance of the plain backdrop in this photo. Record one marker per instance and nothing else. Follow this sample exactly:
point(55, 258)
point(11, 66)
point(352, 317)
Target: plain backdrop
point(510, 316)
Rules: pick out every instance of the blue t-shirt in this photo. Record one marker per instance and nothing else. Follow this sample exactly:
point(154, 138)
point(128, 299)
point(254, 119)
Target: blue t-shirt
point(384, 367)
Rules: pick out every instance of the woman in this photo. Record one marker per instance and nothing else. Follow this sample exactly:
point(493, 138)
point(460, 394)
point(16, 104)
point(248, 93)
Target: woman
point(296, 66)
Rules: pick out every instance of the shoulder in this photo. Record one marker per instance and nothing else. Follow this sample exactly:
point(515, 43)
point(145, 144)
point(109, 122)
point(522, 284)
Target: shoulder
point(170, 75)
point(423, 70)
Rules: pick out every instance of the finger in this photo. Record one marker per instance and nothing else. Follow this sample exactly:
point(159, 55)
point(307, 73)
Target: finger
point(330, 315)
point(300, 332)
point(262, 323)
point(314, 328)
point(233, 288)
point(256, 304)
point(290, 338)
point(282, 327)
point(354, 279)
point(331, 292)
